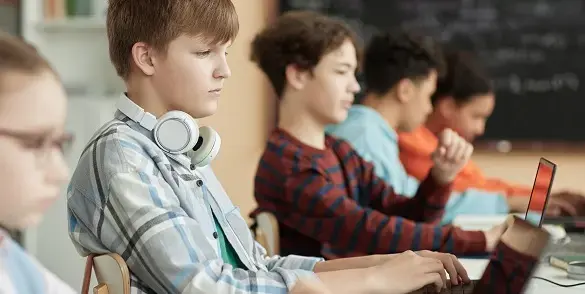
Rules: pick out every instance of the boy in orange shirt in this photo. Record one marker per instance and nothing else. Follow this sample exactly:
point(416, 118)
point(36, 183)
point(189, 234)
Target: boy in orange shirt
point(463, 101)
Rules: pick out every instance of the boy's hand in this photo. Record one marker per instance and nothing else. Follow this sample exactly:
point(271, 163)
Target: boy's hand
point(566, 203)
point(493, 235)
point(450, 156)
point(407, 272)
point(454, 268)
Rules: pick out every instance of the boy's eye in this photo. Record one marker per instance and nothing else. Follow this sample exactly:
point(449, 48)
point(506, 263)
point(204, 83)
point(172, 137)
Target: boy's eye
point(34, 143)
point(203, 53)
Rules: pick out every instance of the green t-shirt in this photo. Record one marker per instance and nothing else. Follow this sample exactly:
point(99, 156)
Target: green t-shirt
point(228, 254)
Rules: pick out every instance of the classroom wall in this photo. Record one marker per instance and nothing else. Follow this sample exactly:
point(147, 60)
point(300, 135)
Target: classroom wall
point(246, 111)
point(520, 167)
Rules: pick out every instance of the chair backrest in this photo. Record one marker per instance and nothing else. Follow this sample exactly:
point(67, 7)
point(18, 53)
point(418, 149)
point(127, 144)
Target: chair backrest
point(267, 232)
point(111, 273)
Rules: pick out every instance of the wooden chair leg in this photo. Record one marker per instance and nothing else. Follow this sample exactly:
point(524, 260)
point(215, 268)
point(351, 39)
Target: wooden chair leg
point(101, 289)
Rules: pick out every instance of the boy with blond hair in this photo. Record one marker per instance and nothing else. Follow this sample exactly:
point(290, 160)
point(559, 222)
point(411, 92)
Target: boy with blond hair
point(143, 187)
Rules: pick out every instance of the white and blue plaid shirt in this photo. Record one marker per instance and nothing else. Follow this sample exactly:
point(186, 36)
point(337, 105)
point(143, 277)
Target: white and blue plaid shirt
point(129, 197)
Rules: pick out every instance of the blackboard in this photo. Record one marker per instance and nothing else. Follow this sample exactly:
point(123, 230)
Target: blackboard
point(533, 49)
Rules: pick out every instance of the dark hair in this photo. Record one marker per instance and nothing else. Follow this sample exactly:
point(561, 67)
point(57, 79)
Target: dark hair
point(158, 22)
point(301, 38)
point(18, 56)
point(395, 55)
point(465, 78)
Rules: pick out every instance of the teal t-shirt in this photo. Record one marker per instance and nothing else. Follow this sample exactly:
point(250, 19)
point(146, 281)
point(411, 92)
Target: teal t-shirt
point(228, 254)
point(375, 141)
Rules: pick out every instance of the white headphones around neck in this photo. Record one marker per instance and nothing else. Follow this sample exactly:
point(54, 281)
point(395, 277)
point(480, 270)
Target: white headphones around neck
point(175, 132)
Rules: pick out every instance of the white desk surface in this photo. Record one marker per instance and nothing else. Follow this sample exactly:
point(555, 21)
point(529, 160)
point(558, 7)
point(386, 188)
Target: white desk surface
point(476, 267)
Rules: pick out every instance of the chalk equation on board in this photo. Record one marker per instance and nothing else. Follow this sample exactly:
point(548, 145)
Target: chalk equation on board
point(554, 83)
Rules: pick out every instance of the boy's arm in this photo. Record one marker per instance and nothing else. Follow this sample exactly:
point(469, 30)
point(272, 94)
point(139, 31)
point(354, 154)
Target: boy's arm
point(427, 205)
point(387, 166)
point(474, 202)
point(287, 262)
point(452, 154)
point(384, 155)
point(143, 222)
point(514, 259)
point(325, 212)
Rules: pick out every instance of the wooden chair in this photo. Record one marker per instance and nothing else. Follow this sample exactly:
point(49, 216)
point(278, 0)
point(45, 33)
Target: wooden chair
point(111, 273)
point(266, 232)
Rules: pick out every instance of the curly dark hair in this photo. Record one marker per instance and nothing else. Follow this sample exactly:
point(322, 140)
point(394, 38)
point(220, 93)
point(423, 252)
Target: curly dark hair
point(301, 38)
point(395, 55)
point(465, 78)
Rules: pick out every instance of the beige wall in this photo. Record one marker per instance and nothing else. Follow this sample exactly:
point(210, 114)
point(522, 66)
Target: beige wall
point(520, 167)
point(246, 109)
point(247, 112)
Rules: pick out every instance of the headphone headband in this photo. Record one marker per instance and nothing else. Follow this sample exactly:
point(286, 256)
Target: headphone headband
point(135, 112)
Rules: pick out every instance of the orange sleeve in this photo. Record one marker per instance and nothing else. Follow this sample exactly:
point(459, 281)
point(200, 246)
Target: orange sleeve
point(415, 154)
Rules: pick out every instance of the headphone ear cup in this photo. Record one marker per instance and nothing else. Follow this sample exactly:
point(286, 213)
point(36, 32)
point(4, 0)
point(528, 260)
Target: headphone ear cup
point(206, 148)
point(176, 132)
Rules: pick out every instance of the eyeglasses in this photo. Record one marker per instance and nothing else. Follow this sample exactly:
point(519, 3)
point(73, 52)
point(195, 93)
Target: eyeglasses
point(41, 144)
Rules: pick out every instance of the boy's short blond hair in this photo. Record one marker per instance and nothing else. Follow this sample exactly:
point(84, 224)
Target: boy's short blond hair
point(158, 22)
point(17, 56)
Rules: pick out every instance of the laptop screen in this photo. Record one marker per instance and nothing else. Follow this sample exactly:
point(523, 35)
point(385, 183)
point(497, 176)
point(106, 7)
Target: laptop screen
point(539, 197)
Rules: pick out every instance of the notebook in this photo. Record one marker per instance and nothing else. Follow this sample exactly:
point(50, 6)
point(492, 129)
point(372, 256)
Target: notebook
point(508, 271)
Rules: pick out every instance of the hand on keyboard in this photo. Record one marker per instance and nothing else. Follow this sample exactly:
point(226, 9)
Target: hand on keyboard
point(454, 268)
point(408, 272)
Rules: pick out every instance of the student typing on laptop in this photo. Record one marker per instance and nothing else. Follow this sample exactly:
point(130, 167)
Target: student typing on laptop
point(518, 251)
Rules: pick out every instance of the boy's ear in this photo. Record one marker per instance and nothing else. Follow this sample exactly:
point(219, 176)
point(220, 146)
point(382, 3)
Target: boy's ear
point(296, 78)
point(142, 54)
point(405, 90)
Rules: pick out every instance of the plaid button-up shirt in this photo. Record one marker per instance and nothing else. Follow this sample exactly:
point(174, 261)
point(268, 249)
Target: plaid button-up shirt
point(129, 197)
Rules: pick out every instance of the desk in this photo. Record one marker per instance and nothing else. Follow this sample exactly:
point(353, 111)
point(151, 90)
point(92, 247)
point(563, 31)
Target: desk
point(476, 267)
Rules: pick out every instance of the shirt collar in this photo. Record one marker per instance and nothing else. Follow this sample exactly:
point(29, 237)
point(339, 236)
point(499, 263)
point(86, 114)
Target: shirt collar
point(374, 116)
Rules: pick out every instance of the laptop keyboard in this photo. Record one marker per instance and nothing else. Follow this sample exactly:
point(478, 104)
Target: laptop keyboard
point(574, 244)
point(451, 289)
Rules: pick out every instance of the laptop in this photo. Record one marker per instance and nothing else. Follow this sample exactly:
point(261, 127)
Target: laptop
point(545, 174)
point(534, 215)
point(576, 223)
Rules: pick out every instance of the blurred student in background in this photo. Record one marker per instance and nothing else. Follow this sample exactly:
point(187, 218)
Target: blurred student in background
point(32, 138)
point(328, 199)
point(401, 70)
point(463, 101)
